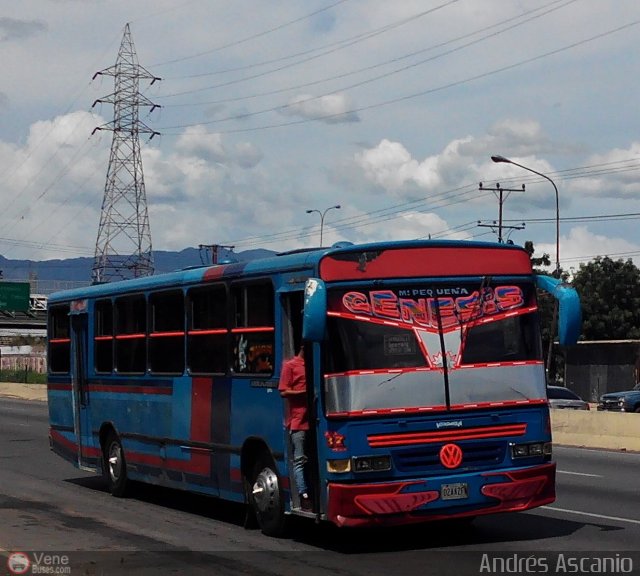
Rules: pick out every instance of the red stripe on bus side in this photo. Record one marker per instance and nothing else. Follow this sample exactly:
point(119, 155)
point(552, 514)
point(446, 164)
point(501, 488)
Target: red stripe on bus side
point(126, 389)
point(165, 334)
point(256, 329)
point(199, 461)
point(58, 386)
point(59, 340)
point(207, 332)
point(130, 336)
point(87, 451)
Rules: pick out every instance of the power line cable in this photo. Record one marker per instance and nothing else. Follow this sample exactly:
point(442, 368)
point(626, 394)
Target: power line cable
point(416, 94)
point(343, 43)
point(346, 88)
point(367, 68)
point(252, 37)
point(298, 62)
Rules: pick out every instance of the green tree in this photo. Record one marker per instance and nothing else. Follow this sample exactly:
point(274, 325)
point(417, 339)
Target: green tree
point(610, 297)
point(543, 260)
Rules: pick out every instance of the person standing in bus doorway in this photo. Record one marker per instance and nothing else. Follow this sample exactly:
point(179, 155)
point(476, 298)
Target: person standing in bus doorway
point(293, 388)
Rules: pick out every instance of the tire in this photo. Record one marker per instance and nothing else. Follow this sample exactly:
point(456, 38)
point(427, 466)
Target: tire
point(115, 466)
point(266, 498)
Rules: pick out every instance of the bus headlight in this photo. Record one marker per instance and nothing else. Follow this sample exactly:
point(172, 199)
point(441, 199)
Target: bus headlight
point(534, 449)
point(371, 463)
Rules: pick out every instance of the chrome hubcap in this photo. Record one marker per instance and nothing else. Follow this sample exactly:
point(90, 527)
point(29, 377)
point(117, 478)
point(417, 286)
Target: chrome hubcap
point(115, 462)
point(265, 491)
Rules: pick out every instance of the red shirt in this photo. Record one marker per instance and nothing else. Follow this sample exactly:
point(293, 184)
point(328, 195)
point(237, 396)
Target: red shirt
point(293, 378)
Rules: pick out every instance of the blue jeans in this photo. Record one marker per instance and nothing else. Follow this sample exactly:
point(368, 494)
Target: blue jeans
point(299, 459)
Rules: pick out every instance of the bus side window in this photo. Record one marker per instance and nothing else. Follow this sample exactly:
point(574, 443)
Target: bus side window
point(207, 330)
point(253, 333)
point(59, 340)
point(131, 334)
point(103, 336)
point(166, 332)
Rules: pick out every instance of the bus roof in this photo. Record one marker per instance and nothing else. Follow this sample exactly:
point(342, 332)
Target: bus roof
point(307, 259)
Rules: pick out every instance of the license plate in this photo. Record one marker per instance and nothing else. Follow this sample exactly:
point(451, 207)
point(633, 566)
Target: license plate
point(454, 491)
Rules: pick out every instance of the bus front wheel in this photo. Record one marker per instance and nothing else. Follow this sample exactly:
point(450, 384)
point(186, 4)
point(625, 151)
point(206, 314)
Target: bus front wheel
point(266, 498)
point(115, 466)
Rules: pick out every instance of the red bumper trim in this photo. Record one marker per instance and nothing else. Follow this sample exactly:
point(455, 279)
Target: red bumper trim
point(392, 503)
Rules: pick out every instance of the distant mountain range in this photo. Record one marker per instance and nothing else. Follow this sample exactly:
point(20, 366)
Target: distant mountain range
point(76, 271)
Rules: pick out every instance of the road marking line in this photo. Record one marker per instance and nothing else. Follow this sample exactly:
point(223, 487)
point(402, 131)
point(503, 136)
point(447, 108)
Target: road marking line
point(591, 514)
point(579, 474)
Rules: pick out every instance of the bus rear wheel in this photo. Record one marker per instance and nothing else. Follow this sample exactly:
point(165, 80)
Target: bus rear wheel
point(115, 466)
point(266, 498)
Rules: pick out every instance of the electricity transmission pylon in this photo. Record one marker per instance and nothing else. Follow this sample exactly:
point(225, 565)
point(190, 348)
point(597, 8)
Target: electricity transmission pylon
point(123, 245)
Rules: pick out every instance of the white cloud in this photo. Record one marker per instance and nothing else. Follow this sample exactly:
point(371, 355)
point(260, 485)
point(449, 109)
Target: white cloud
point(390, 165)
point(195, 141)
point(581, 245)
point(428, 127)
point(332, 108)
point(614, 174)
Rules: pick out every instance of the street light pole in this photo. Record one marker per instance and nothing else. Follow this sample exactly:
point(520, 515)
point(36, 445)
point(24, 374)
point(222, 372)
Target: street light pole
point(556, 273)
point(322, 215)
point(507, 161)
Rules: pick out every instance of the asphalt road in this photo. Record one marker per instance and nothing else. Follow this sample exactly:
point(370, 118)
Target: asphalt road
point(48, 505)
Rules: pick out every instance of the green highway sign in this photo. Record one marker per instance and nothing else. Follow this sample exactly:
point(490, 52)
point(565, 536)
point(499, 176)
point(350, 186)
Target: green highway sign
point(14, 296)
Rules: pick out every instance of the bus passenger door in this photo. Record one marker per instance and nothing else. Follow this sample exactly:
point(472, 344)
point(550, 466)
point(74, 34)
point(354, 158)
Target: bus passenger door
point(81, 422)
point(292, 305)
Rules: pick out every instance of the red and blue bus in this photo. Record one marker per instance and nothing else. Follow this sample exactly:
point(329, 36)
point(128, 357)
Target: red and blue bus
point(424, 363)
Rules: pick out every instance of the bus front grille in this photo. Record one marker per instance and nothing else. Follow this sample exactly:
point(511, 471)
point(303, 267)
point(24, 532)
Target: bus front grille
point(427, 457)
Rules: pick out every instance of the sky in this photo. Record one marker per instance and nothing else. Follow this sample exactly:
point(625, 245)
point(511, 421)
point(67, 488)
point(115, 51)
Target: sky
point(268, 109)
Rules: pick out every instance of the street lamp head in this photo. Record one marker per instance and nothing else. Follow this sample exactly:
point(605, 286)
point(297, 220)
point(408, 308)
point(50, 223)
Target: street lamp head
point(309, 211)
point(500, 159)
point(337, 206)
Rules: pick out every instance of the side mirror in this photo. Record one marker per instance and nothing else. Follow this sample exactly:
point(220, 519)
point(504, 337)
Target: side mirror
point(569, 311)
point(315, 310)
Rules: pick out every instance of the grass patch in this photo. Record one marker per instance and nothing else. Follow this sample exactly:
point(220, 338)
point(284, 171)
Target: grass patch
point(23, 376)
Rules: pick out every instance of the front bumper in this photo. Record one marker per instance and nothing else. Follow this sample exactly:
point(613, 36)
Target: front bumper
point(411, 501)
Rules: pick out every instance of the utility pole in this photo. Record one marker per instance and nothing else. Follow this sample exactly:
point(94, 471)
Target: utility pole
point(213, 250)
point(123, 245)
point(494, 226)
point(499, 194)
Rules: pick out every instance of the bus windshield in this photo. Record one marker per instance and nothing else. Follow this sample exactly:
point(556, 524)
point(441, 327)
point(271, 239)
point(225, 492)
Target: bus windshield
point(389, 350)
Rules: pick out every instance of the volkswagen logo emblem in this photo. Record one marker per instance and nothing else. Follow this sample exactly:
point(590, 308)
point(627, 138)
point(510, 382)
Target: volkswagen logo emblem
point(451, 455)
